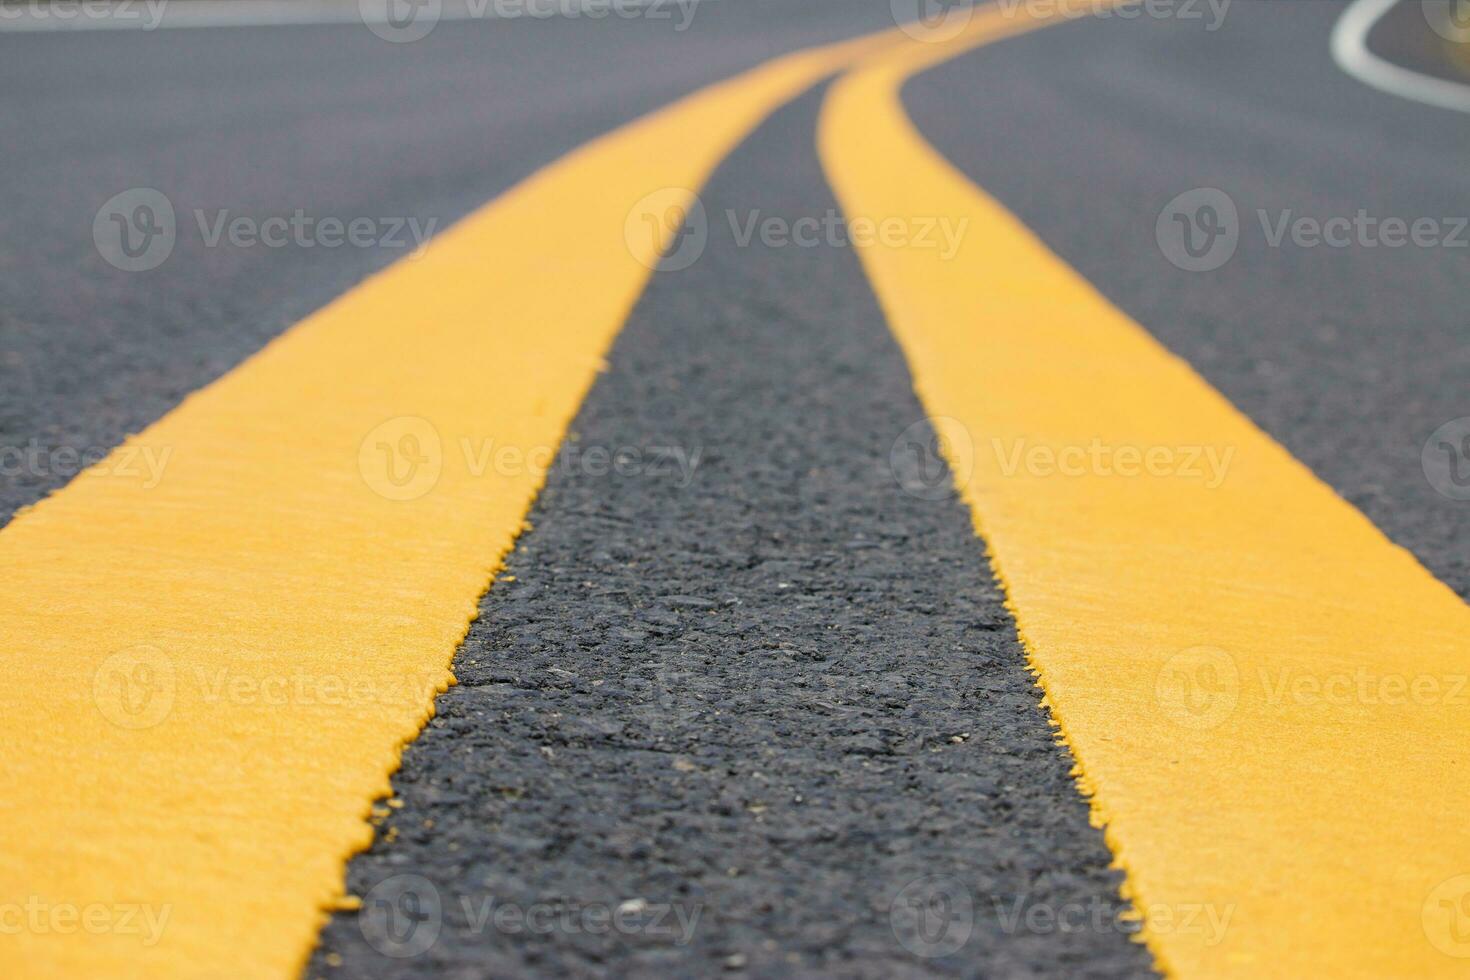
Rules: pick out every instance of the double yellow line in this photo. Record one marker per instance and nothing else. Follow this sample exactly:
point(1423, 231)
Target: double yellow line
point(212, 678)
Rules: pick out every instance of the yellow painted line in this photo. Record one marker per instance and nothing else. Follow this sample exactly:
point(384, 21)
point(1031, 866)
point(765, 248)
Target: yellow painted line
point(216, 642)
point(1265, 696)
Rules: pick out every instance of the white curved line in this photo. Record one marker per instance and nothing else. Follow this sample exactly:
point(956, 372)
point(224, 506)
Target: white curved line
point(1350, 50)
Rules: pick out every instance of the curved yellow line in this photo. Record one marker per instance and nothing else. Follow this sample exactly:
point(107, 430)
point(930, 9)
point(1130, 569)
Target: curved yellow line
point(217, 641)
point(1265, 696)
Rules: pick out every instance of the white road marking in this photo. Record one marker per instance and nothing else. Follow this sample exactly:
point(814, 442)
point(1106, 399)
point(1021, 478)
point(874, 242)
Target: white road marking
point(26, 16)
point(1350, 49)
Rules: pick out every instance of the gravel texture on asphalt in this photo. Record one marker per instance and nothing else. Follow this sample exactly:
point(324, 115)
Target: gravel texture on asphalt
point(785, 697)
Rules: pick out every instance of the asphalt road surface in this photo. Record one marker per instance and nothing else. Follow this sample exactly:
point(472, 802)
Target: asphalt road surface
point(717, 687)
point(750, 692)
